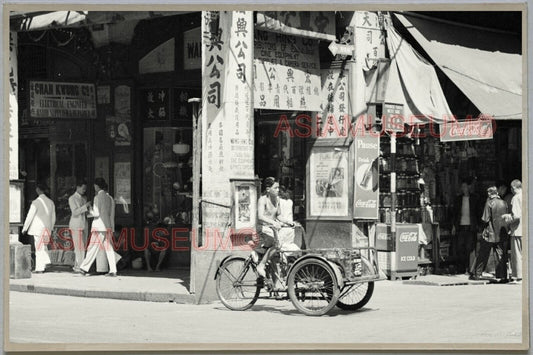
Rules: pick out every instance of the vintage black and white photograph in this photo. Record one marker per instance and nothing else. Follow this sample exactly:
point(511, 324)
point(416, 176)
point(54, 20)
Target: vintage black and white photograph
point(224, 177)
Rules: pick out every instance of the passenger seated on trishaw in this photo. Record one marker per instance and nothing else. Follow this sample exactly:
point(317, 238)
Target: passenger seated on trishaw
point(275, 224)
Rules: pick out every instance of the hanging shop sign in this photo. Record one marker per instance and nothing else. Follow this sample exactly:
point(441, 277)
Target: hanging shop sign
point(227, 109)
point(366, 192)
point(369, 37)
point(467, 130)
point(13, 108)
point(328, 181)
point(192, 49)
point(312, 24)
point(62, 100)
point(334, 107)
point(286, 72)
point(393, 119)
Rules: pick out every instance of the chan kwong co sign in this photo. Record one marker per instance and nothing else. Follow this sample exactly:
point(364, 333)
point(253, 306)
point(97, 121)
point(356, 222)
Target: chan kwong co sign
point(62, 100)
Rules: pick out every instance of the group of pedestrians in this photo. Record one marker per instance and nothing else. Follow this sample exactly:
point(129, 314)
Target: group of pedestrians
point(41, 219)
point(499, 226)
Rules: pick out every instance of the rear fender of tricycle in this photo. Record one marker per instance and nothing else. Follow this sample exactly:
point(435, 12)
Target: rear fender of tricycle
point(333, 266)
point(224, 260)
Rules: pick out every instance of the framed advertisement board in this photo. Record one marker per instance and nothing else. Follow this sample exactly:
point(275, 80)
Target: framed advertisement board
point(244, 194)
point(328, 173)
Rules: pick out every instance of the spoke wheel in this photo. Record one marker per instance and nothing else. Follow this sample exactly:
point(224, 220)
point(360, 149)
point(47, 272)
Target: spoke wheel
point(355, 296)
point(313, 288)
point(237, 286)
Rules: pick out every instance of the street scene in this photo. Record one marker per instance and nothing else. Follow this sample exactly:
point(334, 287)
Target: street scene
point(357, 176)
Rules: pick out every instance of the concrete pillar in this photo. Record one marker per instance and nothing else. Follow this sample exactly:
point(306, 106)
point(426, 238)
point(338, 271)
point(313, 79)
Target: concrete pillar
point(227, 134)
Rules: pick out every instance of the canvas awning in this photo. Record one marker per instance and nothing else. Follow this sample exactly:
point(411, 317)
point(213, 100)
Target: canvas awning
point(485, 65)
point(33, 21)
point(409, 80)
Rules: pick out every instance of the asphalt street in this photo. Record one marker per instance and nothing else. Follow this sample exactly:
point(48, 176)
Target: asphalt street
point(397, 313)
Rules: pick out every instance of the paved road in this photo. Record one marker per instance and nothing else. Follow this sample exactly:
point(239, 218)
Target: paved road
point(396, 313)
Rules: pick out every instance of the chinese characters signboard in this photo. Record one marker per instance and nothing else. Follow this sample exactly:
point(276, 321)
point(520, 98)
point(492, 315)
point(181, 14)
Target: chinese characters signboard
point(286, 72)
point(62, 100)
point(227, 108)
point(156, 104)
point(313, 24)
point(366, 176)
point(328, 182)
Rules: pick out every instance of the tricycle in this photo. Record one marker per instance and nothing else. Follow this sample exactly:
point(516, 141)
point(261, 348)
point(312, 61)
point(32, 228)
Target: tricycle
point(315, 280)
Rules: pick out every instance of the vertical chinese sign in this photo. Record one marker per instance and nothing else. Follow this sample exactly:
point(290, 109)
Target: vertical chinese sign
point(227, 109)
point(369, 37)
point(335, 104)
point(13, 108)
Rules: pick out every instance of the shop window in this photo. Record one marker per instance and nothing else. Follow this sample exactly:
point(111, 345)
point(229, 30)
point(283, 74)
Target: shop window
point(167, 175)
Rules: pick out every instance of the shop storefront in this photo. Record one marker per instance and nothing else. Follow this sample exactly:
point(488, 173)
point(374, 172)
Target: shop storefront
point(277, 99)
point(111, 100)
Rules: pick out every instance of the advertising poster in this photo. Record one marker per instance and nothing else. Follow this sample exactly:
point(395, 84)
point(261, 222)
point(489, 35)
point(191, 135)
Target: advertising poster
point(329, 182)
point(245, 204)
point(123, 183)
point(366, 176)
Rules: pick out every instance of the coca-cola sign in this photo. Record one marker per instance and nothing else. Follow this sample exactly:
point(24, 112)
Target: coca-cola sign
point(467, 130)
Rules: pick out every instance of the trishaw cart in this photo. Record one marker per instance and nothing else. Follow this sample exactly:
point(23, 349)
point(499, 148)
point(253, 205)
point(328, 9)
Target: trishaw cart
point(315, 280)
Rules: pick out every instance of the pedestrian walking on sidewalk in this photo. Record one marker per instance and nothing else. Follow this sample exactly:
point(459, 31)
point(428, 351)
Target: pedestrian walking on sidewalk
point(515, 228)
point(493, 234)
point(466, 216)
point(77, 224)
point(39, 223)
point(103, 211)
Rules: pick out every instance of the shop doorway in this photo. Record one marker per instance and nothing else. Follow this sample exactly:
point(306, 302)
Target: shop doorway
point(282, 155)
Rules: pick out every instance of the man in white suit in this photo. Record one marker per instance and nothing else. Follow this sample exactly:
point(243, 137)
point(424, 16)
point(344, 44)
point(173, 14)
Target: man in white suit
point(78, 221)
point(103, 226)
point(39, 223)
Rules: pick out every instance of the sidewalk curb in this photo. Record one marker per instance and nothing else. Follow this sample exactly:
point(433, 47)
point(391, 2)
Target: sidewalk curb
point(127, 295)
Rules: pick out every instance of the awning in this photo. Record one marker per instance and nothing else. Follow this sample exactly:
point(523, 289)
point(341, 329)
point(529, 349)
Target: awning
point(480, 63)
point(410, 81)
point(57, 19)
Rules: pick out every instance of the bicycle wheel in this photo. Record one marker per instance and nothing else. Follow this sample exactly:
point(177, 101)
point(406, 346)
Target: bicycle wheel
point(237, 286)
point(313, 288)
point(355, 296)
